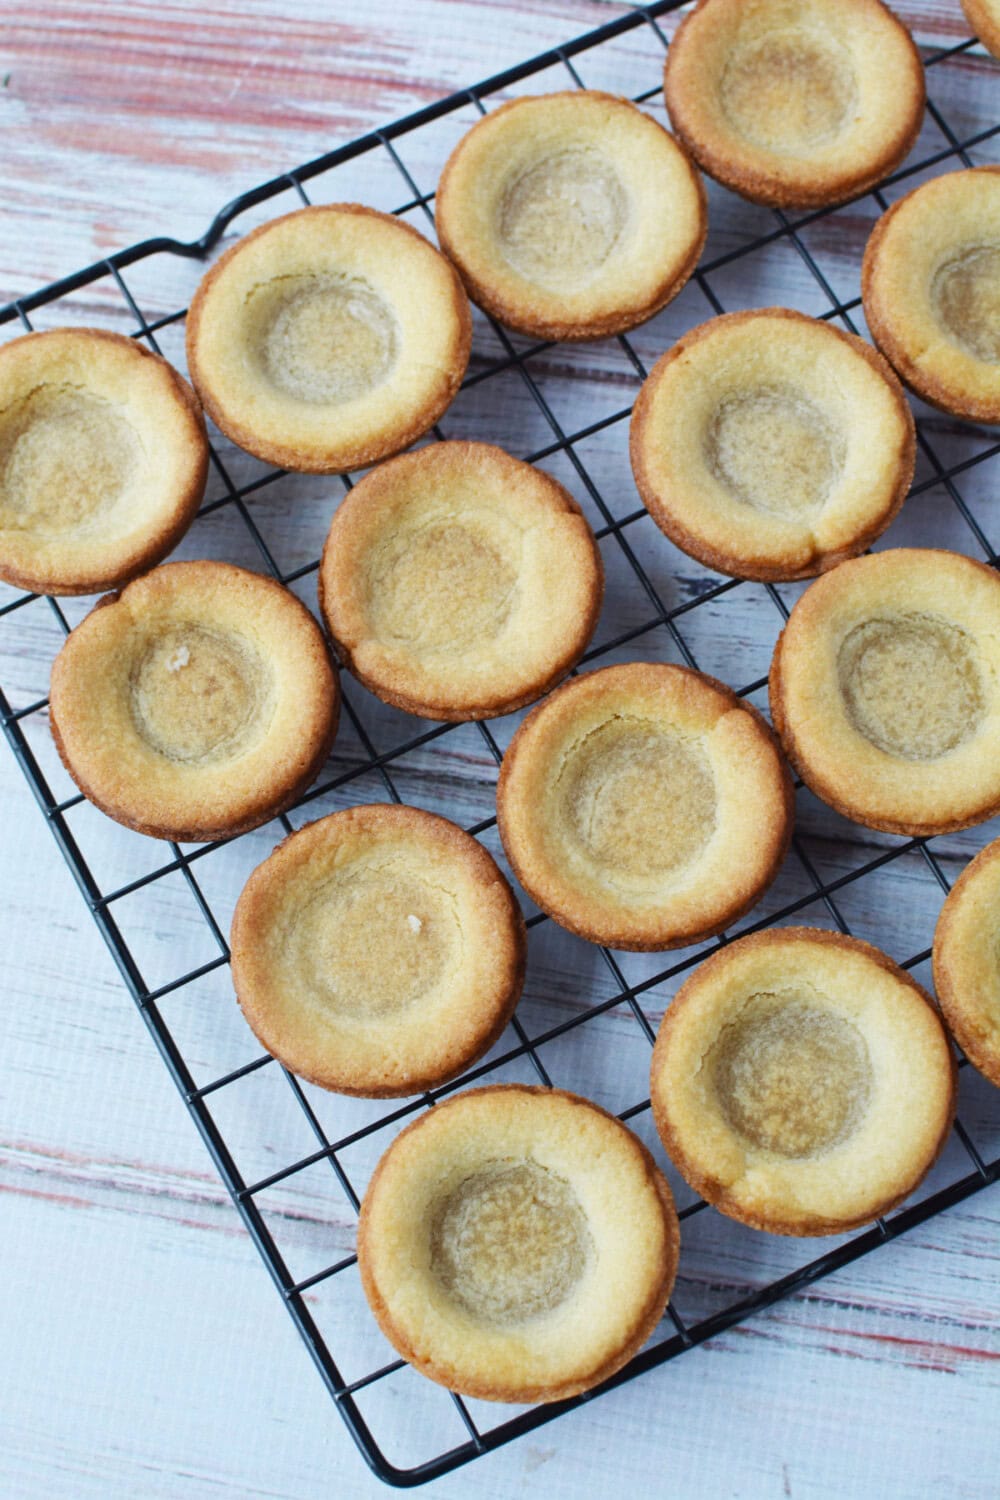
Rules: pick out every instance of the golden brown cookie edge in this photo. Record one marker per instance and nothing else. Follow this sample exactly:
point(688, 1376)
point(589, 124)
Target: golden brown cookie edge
point(510, 986)
point(760, 570)
point(517, 315)
point(632, 938)
point(709, 1188)
point(348, 457)
point(651, 1314)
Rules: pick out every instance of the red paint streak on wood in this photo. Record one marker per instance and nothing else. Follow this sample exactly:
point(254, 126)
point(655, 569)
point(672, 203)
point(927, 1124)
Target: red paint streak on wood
point(840, 1350)
point(183, 1189)
point(956, 1352)
point(66, 1200)
point(939, 1367)
point(171, 63)
point(233, 1228)
point(79, 1159)
point(916, 1353)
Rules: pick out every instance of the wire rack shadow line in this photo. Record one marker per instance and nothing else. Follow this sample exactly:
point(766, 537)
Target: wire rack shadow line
point(822, 888)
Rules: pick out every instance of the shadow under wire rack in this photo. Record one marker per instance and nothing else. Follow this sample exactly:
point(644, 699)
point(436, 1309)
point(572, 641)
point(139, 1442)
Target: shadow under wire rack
point(296, 1169)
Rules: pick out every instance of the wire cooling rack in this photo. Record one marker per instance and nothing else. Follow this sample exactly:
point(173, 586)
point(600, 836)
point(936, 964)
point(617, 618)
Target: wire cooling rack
point(295, 1160)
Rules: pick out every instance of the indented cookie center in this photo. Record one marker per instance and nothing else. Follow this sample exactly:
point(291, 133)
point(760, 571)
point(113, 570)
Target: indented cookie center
point(775, 452)
point(446, 584)
point(912, 684)
point(323, 339)
point(510, 1242)
point(199, 695)
point(641, 801)
point(65, 458)
point(559, 220)
point(965, 294)
point(374, 941)
point(788, 90)
point(790, 1076)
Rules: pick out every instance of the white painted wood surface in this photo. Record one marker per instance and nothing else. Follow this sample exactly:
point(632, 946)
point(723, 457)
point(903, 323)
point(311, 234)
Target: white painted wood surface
point(145, 1351)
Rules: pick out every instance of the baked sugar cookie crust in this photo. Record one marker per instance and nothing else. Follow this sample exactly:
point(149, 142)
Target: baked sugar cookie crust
point(378, 951)
point(195, 704)
point(517, 1244)
point(459, 583)
point(571, 215)
point(329, 338)
point(967, 961)
point(103, 458)
point(802, 1082)
point(644, 806)
point(795, 103)
point(984, 18)
point(930, 283)
point(885, 690)
point(770, 445)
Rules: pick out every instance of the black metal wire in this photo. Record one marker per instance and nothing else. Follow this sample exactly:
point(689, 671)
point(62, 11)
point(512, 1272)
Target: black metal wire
point(573, 58)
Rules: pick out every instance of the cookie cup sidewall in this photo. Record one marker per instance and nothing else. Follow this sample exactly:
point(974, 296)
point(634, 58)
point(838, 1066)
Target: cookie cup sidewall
point(629, 1264)
point(753, 808)
point(538, 527)
point(663, 230)
point(984, 18)
point(890, 92)
point(912, 1083)
point(90, 691)
point(844, 768)
point(160, 500)
point(414, 281)
point(966, 961)
point(370, 1054)
point(907, 247)
point(747, 353)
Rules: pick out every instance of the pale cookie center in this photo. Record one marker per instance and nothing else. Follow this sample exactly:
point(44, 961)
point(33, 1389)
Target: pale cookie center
point(775, 452)
point(560, 219)
point(374, 942)
point(446, 584)
point(323, 339)
point(788, 90)
point(912, 685)
point(65, 458)
point(965, 294)
point(510, 1242)
point(791, 1077)
point(641, 801)
point(199, 695)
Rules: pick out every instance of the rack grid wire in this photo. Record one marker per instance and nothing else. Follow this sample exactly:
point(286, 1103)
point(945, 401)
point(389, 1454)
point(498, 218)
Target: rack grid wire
point(728, 1273)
